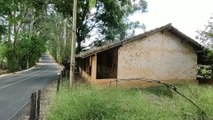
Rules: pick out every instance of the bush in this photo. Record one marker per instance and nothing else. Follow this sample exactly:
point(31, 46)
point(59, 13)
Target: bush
point(204, 71)
point(26, 50)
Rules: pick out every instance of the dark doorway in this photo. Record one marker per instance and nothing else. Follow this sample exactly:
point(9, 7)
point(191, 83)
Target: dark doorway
point(107, 63)
point(86, 65)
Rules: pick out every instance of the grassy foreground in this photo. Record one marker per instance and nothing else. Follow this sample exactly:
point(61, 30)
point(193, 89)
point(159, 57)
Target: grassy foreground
point(90, 103)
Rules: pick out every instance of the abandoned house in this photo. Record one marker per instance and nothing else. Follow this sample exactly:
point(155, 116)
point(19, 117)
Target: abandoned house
point(164, 54)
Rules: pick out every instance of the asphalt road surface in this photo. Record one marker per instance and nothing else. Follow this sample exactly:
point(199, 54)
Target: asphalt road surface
point(16, 89)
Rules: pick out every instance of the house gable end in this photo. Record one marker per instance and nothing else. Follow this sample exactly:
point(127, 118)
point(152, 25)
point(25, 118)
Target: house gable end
point(197, 47)
point(161, 55)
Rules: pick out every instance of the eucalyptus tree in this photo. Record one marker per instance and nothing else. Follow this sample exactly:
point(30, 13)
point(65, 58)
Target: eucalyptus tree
point(206, 38)
point(58, 36)
point(21, 17)
point(108, 18)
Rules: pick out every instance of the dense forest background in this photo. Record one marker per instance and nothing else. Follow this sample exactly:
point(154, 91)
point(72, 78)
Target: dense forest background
point(29, 28)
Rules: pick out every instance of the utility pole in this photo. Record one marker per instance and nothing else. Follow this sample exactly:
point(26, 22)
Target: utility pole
point(72, 57)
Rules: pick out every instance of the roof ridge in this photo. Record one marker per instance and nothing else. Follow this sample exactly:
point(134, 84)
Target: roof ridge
point(169, 26)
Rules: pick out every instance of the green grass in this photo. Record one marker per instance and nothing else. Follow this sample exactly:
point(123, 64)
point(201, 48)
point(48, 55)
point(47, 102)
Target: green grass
point(84, 102)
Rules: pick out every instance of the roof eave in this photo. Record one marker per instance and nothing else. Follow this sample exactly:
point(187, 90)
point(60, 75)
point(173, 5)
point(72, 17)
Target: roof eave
point(169, 27)
point(186, 38)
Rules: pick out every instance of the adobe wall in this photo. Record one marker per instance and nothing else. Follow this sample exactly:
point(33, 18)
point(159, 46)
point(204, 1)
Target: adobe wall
point(160, 56)
point(86, 76)
point(94, 68)
point(92, 79)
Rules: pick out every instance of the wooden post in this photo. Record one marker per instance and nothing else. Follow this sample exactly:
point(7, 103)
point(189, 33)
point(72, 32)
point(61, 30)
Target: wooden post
point(33, 107)
point(212, 74)
point(72, 61)
point(38, 104)
point(58, 82)
point(65, 32)
point(62, 77)
point(66, 74)
point(63, 72)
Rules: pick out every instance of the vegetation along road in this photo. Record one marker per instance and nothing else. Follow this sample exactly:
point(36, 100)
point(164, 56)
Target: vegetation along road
point(15, 89)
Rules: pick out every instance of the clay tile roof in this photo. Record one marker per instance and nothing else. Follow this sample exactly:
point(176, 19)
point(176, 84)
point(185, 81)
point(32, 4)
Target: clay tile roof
point(168, 27)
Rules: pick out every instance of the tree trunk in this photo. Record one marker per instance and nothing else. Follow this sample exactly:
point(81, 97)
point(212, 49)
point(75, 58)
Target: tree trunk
point(27, 63)
point(0, 37)
point(14, 29)
point(65, 32)
point(78, 49)
point(30, 36)
point(9, 29)
point(72, 60)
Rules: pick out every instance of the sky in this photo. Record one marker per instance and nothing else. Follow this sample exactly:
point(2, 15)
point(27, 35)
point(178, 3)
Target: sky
point(188, 16)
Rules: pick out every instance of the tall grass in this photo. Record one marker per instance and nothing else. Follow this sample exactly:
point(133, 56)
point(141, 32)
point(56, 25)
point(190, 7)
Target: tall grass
point(91, 103)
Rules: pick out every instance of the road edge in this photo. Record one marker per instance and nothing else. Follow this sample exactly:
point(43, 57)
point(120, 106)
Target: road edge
point(59, 67)
point(17, 72)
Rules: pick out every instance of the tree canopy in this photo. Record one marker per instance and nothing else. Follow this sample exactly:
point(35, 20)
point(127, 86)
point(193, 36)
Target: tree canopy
point(108, 19)
point(206, 56)
point(21, 42)
point(29, 26)
point(206, 37)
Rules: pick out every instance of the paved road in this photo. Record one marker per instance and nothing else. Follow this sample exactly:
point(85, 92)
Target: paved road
point(15, 89)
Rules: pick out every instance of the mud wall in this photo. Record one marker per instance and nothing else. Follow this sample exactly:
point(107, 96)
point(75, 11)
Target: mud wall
point(161, 56)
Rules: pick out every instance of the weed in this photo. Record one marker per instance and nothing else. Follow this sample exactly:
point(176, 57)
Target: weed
point(84, 102)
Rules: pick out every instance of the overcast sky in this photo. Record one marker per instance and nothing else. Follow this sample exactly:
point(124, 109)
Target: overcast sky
point(186, 15)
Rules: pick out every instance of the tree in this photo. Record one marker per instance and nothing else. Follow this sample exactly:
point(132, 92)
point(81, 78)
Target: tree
point(108, 18)
point(2, 31)
point(57, 29)
point(206, 37)
point(21, 16)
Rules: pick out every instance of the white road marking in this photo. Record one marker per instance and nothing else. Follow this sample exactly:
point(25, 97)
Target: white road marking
point(19, 110)
point(13, 83)
point(17, 72)
point(23, 79)
point(36, 73)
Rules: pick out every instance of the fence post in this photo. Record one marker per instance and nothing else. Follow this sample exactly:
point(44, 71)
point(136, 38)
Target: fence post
point(58, 82)
point(212, 74)
point(62, 73)
point(62, 77)
point(33, 106)
point(66, 73)
point(38, 104)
